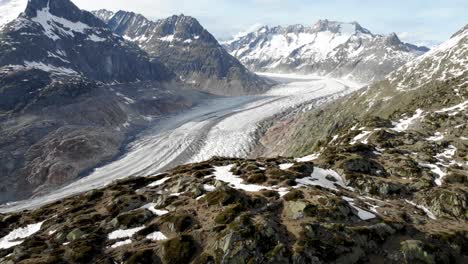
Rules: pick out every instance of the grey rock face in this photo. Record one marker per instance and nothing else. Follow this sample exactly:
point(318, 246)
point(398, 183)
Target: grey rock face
point(71, 92)
point(185, 47)
point(69, 41)
point(328, 48)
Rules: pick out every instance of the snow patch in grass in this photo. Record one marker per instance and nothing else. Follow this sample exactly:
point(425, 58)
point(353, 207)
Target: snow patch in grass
point(18, 235)
point(404, 123)
point(363, 214)
point(121, 243)
point(319, 178)
point(363, 137)
point(209, 188)
point(286, 166)
point(427, 211)
point(224, 174)
point(437, 170)
point(158, 182)
point(124, 233)
point(309, 158)
point(437, 137)
point(151, 207)
point(156, 236)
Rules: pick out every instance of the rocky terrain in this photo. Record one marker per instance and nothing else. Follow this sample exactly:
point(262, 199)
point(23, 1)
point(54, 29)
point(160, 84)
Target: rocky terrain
point(328, 48)
point(275, 210)
point(188, 49)
point(73, 102)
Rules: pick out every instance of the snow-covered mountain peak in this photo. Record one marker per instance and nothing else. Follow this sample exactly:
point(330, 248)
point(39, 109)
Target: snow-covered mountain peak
point(350, 28)
point(331, 48)
point(103, 14)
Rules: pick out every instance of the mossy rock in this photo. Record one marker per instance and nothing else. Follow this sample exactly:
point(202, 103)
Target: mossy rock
point(229, 214)
point(204, 258)
point(179, 250)
point(294, 195)
point(225, 196)
point(80, 252)
point(202, 173)
point(413, 252)
point(305, 169)
point(178, 222)
point(146, 256)
point(125, 203)
point(75, 234)
point(133, 218)
point(256, 178)
point(270, 194)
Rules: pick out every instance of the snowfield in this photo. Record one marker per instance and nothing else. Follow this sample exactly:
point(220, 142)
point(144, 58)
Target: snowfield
point(227, 126)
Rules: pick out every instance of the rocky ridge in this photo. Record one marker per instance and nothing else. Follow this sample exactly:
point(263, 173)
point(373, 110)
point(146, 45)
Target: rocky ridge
point(188, 49)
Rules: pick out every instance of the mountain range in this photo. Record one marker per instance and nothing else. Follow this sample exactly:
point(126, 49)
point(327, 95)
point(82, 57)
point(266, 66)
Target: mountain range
point(328, 48)
point(380, 175)
point(188, 49)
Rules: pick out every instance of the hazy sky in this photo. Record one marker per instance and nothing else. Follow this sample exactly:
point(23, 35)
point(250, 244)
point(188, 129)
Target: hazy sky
point(417, 21)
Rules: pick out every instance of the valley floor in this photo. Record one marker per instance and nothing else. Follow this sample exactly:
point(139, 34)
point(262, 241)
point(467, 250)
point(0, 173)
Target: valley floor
point(228, 127)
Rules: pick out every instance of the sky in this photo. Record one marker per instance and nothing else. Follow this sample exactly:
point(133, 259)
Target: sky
point(426, 22)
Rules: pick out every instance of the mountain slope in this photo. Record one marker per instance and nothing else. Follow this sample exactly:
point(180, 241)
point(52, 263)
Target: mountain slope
point(71, 93)
point(185, 47)
point(328, 48)
point(407, 133)
point(229, 211)
point(69, 41)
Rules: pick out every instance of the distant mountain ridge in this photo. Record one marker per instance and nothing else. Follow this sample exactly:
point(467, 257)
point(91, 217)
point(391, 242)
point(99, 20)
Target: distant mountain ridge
point(185, 47)
point(328, 48)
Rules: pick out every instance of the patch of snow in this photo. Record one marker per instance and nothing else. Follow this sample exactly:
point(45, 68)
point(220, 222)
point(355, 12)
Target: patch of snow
point(308, 158)
point(159, 182)
point(18, 235)
point(455, 108)
point(319, 178)
point(124, 233)
point(49, 68)
point(224, 174)
point(151, 207)
point(57, 27)
point(209, 188)
point(121, 243)
point(436, 169)
point(286, 166)
point(95, 38)
point(437, 137)
point(363, 137)
point(425, 209)
point(156, 236)
point(405, 123)
point(363, 214)
point(168, 38)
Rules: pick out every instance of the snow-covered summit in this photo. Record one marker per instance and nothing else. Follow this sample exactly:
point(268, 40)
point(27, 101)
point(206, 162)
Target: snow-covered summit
point(326, 48)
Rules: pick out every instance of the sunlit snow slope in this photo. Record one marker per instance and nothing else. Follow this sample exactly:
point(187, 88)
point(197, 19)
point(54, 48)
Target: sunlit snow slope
point(222, 127)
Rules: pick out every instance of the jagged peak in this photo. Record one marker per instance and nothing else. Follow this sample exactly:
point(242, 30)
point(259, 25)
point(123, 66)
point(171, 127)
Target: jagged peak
point(64, 9)
point(339, 27)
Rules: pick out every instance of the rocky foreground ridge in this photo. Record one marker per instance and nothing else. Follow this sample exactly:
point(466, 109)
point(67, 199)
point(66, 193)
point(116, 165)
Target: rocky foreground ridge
point(275, 210)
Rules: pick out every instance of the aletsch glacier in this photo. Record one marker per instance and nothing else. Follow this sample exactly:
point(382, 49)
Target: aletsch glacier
point(227, 126)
